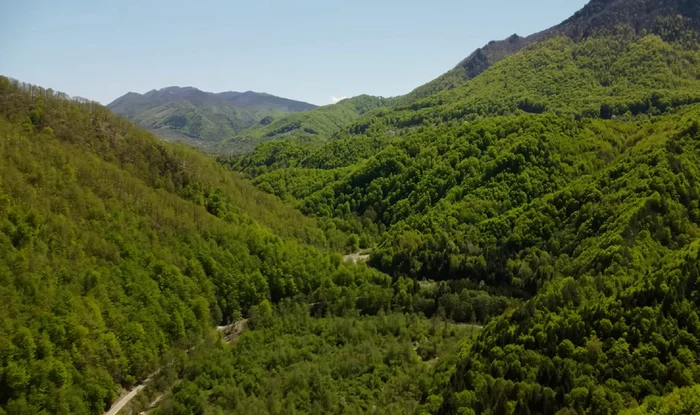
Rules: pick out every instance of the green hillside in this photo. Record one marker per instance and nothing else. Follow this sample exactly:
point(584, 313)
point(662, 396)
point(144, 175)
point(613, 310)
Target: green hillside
point(118, 250)
point(310, 127)
point(530, 223)
point(564, 175)
point(202, 118)
point(471, 67)
point(660, 16)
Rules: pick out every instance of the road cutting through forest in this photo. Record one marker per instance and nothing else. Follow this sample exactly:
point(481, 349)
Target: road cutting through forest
point(230, 332)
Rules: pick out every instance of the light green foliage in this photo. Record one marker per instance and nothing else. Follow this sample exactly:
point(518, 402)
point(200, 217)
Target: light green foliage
point(116, 248)
point(684, 401)
point(300, 364)
point(315, 126)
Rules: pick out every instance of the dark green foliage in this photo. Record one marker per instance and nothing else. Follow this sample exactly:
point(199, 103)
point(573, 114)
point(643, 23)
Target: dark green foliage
point(642, 15)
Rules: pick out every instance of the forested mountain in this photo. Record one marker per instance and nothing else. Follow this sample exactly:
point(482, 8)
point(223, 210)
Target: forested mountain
point(117, 249)
point(532, 226)
point(243, 120)
point(312, 127)
point(119, 253)
point(202, 118)
point(662, 16)
point(565, 175)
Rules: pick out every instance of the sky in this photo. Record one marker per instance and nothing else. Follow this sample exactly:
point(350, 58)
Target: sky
point(311, 50)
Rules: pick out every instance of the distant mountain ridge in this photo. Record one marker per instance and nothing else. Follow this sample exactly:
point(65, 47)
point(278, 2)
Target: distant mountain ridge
point(236, 99)
point(234, 122)
point(650, 15)
point(199, 117)
point(313, 126)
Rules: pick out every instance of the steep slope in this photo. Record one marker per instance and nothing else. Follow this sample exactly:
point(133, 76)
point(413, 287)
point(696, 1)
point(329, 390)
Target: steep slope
point(117, 250)
point(605, 76)
point(602, 76)
point(473, 65)
point(650, 15)
point(565, 175)
point(202, 118)
point(311, 127)
point(620, 249)
point(674, 19)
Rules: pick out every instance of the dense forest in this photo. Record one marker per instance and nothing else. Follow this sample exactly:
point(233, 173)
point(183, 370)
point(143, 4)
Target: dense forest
point(530, 223)
point(294, 363)
point(565, 176)
point(117, 248)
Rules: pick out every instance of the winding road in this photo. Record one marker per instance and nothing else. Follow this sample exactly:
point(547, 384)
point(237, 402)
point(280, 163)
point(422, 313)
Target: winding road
point(114, 410)
point(231, 332)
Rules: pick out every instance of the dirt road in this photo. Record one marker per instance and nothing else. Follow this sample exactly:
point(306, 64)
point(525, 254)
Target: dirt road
point(231, 332)
point(114, 410)
point(356, 258)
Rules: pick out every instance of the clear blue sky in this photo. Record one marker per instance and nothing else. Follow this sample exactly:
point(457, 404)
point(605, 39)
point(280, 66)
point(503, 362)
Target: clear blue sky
point(309, 50)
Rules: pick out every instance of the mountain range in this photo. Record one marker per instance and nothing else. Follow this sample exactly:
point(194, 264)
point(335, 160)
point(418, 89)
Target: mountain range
point(205, 119)
point(202, 118)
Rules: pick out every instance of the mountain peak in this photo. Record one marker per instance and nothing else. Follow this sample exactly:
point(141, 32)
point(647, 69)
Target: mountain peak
point(640, 14)
point(657, 16)
point(175, 88)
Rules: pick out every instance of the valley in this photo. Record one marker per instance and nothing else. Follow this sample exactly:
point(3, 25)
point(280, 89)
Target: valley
point(519, 236)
